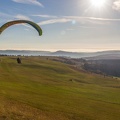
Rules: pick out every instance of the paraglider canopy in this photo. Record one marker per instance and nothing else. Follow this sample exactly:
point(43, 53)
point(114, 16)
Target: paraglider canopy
point(8, 24)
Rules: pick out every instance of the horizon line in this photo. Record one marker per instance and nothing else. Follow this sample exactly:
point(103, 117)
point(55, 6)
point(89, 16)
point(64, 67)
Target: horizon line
point(65, 50)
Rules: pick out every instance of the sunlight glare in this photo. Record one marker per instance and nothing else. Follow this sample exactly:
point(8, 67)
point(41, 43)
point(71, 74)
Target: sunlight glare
point(98, 3)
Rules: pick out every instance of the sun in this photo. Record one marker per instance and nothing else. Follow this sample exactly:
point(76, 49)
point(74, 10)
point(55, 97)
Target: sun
point(98, 3)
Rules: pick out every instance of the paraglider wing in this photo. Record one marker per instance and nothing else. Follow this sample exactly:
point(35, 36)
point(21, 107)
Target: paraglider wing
point(6, 25)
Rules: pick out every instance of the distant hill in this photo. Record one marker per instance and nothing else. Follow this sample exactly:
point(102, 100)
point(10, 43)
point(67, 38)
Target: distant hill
point(104, 57)
point(24, 52)
point(92, 55)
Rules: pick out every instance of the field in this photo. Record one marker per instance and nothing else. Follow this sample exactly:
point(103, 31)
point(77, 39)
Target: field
point(42, 89)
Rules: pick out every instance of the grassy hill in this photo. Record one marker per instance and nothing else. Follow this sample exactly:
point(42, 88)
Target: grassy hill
point(42, 89)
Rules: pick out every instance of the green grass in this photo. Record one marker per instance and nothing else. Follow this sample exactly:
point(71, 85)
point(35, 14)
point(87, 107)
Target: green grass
point(41, 89)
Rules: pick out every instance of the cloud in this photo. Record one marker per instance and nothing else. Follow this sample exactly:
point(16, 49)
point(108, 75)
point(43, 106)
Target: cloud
point(23, 17)
point(116, 5)
point(104, 19)
point(26, 29)
point(92, 20)
point(32, 2)
point(78, 19)
point(52, 21)
point(4, 15)
point(6, 18)
point(70, 29)
point(45, 16)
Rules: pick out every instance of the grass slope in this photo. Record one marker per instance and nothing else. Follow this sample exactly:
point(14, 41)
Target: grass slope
point(41, 89)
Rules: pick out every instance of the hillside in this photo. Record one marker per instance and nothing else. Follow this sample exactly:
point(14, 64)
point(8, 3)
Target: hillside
point(43, 89)
point(109, 67)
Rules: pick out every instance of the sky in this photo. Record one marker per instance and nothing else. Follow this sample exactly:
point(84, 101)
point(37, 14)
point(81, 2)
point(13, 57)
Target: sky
point(70, 25)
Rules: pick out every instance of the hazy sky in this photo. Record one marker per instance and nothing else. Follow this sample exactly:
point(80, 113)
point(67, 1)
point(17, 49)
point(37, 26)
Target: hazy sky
point(72, 25)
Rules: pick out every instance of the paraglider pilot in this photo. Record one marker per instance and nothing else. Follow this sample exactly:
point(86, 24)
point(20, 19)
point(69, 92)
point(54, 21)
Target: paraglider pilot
point(18, 60)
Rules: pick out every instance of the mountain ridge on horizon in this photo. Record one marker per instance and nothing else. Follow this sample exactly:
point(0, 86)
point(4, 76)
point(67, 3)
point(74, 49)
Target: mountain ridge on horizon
point(61, 53)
